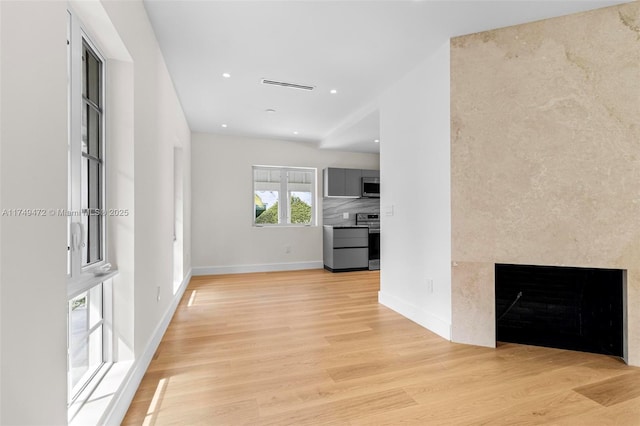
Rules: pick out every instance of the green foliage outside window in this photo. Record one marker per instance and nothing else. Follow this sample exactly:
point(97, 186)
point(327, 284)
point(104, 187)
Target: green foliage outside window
point(300, 213)
point(270, 215)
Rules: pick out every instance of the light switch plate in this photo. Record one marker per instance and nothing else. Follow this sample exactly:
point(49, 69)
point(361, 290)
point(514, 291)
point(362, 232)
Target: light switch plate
point(345, 215)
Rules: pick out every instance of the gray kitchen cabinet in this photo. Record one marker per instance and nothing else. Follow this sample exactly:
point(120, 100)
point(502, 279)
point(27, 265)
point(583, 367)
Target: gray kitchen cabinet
point(345, 248)
point(353, 182)
point(334, 179)
point(339, 182)
point(370, 173)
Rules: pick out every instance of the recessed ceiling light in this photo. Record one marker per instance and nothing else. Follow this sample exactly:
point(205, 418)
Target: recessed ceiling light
point(295, 133)
point(376, 140)
point(226, 75)
point(224, 125)
point(333, 91)
point(270, 110)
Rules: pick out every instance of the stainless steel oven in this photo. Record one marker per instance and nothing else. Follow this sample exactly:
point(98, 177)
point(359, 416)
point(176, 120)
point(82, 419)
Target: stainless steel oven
point(371, 221)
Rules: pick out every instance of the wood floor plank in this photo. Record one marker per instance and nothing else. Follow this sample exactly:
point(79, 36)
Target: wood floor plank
point(624, 413)
point(312, 347)
point(343, 410)
point(614, 390)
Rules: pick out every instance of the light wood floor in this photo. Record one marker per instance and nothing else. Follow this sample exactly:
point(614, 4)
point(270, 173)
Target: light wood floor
point(312, 347)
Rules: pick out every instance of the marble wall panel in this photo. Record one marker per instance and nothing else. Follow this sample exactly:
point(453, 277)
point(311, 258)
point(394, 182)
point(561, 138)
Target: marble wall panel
point(545, 153)
point(333, 209)
point(468, 323)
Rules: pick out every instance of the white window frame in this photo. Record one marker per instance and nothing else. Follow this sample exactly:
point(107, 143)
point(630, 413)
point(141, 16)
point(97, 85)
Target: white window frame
point(78, 37)
point(83, 278)
point(94, 327)
point(284, 214)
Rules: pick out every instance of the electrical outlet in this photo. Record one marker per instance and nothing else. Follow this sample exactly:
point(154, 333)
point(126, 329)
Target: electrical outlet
point(345, 215)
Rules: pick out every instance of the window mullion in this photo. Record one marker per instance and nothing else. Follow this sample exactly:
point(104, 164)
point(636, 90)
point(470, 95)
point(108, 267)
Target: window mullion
point(284, 202)
point(87, 333)
point(91, 157)
point(91, 104)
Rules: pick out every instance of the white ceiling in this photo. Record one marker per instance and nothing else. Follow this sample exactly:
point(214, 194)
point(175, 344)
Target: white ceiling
point(357, 47)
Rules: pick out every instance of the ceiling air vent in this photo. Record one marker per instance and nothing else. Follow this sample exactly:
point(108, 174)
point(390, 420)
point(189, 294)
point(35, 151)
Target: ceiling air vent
point(285, 84)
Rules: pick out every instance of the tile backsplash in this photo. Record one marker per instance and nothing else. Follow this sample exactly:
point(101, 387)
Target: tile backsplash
point(333, 209)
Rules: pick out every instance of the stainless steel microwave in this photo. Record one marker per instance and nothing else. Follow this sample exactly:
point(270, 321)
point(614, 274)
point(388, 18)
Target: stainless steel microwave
point(371, 187)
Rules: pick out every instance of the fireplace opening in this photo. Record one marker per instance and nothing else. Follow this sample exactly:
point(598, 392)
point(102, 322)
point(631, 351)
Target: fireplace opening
point(571, 308)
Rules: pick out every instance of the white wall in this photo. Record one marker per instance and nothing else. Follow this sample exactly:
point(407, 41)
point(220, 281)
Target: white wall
point(145, 125)
point(33, 141)
point(159, 126)
point(121, 195)
point(415, 169)
point(223, 238)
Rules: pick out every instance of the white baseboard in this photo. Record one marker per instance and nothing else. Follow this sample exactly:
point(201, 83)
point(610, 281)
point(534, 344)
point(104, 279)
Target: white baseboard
point(416, 314)
point(268, 267)
point(121, 401)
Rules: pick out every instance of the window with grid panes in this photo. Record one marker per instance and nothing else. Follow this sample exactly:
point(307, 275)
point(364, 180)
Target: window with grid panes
point(86, 219)
point(284, 196)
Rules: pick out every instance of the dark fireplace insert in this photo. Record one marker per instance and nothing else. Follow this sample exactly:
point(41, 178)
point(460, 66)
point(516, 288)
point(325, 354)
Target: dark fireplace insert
point(571, 308)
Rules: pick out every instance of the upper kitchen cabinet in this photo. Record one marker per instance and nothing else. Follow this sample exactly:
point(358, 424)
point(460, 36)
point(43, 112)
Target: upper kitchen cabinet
point(345, 182)
point(342, 182)
point(370, 173)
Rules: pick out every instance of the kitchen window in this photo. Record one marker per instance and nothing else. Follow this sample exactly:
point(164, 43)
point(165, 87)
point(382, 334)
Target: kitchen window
point(284, 196)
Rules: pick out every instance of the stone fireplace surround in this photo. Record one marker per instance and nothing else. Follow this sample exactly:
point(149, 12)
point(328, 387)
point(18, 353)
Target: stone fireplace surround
point(545, 161)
